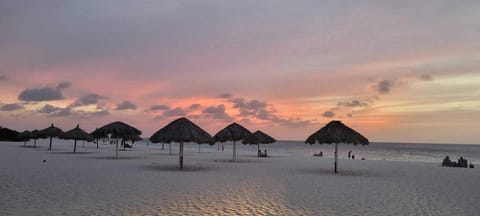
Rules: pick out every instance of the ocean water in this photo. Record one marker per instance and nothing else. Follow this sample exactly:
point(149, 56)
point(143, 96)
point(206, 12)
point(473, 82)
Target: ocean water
point(374, 151)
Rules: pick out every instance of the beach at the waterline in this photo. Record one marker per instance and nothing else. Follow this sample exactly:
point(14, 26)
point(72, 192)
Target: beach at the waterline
point(147, 181)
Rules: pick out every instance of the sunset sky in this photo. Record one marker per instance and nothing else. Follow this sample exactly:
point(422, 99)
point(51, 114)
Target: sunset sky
point(397, 71)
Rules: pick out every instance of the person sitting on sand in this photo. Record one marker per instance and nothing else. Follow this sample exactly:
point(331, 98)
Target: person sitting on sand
point(462, 162)
point(265, 155)
point(446, 161)
point(259, 153)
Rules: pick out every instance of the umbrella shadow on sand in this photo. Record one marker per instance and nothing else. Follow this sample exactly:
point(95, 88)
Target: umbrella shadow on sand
point(352, 173)
point(174, 168)
point(236, 161)
point(72, 153)
point(115, 158)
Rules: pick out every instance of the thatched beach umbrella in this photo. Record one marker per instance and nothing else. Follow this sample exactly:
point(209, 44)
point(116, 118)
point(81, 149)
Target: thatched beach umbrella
point(180, 131)
point(50, 132)
point(25, 136)
point(76, 134)
point(233, 132)
point(258, 138)
point(118, 130)
point(96, 134)
point(336, 132)
point(35, 136)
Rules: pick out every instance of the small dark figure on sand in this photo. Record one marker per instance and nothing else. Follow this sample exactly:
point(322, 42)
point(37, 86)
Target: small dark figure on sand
point(353, 157)
point(265, 153)
point(446, 161)
point(349, 154)
point(462, 162)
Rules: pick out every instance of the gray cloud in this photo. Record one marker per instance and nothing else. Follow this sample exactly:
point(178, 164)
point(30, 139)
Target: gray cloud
point(11, 107)
point(49, 109)
point(225, 95)
point(353, 103)
point(194, 106)
point(159, 107)
point(88, 99)
point(174, 112)
point(263, 111)
point(64, 85)
point(216, 112)
point(384, 86)
point(41, 94)
point(62, 112)
point(103, 112)
point(426, 77)
point(126, 105)
point(328, 114)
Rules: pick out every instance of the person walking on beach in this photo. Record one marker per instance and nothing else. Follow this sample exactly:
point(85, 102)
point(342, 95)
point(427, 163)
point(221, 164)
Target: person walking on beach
point(349, 154)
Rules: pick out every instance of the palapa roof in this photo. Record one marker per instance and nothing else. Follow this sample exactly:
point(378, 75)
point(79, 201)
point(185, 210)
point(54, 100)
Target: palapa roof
point(337, 132)
point(118, 130)
point(25, 135)
point(98, 134)
point(76, 134)
point(258, 138)
point(51, 131)
point(181, 130)
point(36, 134)
point(232, 132)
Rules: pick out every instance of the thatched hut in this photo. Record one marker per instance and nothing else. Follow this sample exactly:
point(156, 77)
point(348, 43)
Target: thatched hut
point(50, 132)
point(118, 130)
point(336, 132)
point(76, 134)
point(180, 131)
point(233, 132)
point(259, 138)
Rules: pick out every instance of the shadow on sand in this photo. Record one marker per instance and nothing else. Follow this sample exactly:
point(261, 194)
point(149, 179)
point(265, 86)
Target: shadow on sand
point(323, 171)
point(176, 168)
point(120, 157)
point(236, 161)
point(70, 152)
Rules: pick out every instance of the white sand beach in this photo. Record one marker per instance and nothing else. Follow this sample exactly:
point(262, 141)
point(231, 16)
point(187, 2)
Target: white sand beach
point(147, 181)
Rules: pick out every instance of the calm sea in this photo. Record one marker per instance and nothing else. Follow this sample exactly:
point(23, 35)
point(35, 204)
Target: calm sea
point(373, 151)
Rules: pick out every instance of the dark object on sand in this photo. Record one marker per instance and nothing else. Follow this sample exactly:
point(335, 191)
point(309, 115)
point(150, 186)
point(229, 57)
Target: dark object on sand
point(50, 132)
point(259, 138)
point(336, 132)
point(76, 134)
point(460, 163)
point(180, 131)
point(319, 154)
point(233, 132)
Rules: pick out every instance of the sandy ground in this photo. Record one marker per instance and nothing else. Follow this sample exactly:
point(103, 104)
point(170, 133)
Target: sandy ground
point(147, 181)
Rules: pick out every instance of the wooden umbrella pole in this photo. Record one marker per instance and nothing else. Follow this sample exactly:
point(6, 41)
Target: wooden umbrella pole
point(169, 148)
point(97, 143)
point(234, 151)
point(198, 148)
point(116, 148)
point(336, 156)
point(50, 146)
point(258, 149)
point(181, 155)
point(75, 146)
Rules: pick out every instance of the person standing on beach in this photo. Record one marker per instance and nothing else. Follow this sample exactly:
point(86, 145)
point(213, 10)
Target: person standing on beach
point(349, 154)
